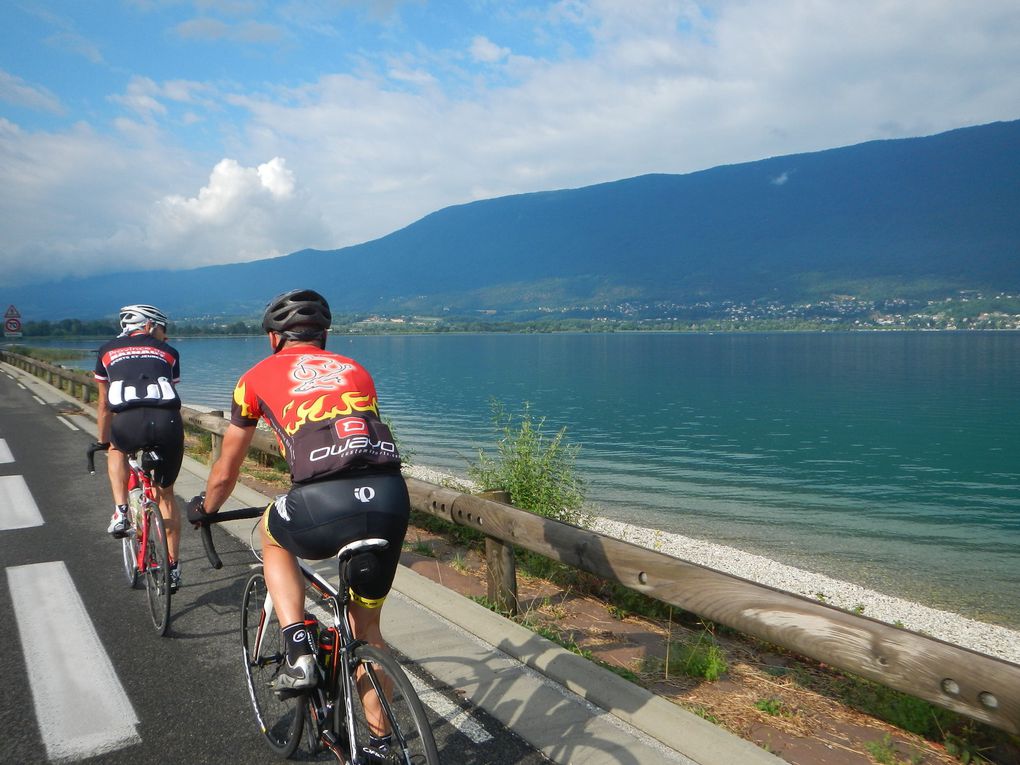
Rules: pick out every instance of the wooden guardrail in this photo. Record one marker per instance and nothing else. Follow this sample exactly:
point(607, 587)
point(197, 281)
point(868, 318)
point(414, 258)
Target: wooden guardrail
point(978, 686)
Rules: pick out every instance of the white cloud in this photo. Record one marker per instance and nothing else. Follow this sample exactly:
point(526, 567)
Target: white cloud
point(486, 51)
point(374, 139)
point(16, 91)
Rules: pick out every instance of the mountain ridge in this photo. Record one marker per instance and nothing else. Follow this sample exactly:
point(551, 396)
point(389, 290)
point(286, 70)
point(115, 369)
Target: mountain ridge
point(898, 216)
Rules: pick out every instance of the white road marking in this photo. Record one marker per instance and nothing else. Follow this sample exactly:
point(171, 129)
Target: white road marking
point(80, 704)
point(459, 718)
point(5, 452)
point(68, 423)
point(22, 386)
point(17, 508)
point(38, 399)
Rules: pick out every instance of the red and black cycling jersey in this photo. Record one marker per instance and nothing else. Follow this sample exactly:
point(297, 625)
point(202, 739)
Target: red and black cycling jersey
point(141, 371)
point(323, 409)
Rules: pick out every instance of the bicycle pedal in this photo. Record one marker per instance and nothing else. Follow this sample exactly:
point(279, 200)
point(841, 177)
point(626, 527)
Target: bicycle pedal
point(285, 694)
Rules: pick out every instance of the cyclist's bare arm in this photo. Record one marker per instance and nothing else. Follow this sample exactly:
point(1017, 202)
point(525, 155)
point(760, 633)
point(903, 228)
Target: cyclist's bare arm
point(224, 472)
point(103, 415)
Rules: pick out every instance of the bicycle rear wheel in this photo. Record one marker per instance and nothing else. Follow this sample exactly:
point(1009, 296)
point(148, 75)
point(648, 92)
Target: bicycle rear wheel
point(130, 552)
point(157, 571)
point(262, 644)
point(380, 673)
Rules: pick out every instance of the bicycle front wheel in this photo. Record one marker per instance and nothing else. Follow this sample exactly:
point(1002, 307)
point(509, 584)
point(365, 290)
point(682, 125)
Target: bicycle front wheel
point(129, 545)
point(386, 701)
point(264, 652)
point(157, 571)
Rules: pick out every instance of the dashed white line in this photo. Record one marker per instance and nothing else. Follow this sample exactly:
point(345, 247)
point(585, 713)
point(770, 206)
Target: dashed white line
point(17, 507)
point(80, 704)
point(5, 452)
point(38, 399)
point(68, 423)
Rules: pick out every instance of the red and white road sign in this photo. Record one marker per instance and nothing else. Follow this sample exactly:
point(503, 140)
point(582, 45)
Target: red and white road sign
point(12, 312)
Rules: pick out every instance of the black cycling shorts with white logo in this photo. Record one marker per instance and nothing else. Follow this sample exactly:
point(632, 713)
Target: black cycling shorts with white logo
point(147, 427)
point(317, 519)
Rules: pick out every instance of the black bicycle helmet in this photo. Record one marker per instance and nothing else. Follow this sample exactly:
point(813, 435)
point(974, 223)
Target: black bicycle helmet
point(298, 315)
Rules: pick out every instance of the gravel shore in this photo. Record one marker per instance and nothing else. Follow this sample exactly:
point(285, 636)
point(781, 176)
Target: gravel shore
point(989, 639)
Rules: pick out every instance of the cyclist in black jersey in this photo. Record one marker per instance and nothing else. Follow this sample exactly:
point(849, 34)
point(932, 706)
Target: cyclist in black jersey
point(344, 466)
point(138, 407)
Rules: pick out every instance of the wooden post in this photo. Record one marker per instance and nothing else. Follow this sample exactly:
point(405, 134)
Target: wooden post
point(216, 440)
point(501, 566)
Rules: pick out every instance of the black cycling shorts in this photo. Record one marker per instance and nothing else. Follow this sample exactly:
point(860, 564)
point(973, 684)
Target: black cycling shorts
point(315, 520)
point(147, 427)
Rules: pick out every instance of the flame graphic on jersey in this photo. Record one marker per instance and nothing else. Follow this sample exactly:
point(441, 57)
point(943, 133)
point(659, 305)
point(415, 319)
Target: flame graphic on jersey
point(239, 396)
point(326, 407)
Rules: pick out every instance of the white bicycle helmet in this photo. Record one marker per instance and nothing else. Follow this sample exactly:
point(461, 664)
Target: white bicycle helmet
point(135, 317)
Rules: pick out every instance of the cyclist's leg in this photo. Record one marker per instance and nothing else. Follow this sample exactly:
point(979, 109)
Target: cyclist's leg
point(121, 444)
point(365, 625)
point(117, 470)
point(287, 588)
point(166, 432)
point(284, 580)
point(171, 518)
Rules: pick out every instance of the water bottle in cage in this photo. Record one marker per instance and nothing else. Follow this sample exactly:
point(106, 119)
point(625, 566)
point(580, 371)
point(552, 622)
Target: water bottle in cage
point(327, 646)
point(135, 502)
point(312, 632)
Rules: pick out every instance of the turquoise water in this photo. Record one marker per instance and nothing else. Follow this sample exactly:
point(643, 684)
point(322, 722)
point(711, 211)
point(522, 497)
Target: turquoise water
point(888, 459)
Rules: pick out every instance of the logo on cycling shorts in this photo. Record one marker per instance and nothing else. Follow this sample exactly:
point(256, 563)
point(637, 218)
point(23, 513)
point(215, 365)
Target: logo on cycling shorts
point(364, 493)
point(281, 507)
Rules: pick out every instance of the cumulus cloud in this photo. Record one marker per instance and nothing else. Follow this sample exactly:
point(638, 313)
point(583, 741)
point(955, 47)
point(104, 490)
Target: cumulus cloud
point(242, 213)
point(484, 50)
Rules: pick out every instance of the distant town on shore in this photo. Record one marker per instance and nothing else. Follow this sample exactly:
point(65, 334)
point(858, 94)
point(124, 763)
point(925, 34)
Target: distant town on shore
point(970, 310)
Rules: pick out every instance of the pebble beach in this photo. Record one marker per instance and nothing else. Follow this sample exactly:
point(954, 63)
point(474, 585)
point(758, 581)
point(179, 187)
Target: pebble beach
point(990, 639)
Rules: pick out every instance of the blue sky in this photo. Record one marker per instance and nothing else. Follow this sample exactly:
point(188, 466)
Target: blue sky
point(181, 133)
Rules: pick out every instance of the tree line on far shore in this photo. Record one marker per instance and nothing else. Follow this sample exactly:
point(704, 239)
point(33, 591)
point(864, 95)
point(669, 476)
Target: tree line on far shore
point(110, 328)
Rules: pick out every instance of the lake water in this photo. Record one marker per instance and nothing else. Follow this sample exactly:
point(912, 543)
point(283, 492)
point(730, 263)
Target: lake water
point(887, 459)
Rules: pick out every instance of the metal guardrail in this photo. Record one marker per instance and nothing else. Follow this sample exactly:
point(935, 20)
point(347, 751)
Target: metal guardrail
point(982, 687)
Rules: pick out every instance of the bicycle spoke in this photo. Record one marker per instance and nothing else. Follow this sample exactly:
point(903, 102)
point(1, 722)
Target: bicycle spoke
point(279, 719)
point(157, 572)
point(387, 702)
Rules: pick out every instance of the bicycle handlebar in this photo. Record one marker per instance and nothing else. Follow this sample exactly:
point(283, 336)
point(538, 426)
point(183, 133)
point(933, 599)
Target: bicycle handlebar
point(220, 517)
point(91, 452)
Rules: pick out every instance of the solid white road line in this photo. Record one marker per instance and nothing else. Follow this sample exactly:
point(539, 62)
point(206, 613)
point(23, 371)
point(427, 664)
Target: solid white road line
point(435, 700)
point(5, 452)
point(17, 507)
point(80, 704)
point(453, 714)
point(68, 423)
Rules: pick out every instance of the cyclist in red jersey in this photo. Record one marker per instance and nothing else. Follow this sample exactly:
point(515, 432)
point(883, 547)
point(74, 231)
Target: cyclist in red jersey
point(139, 408)
point(344, 466)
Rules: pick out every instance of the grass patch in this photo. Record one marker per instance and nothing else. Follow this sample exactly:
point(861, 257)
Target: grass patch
point(51, 354)
point(420, 547)
point(773, 707)
point(884, 752)
point(697, 656)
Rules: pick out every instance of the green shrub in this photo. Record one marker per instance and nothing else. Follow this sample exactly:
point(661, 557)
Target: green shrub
point(534, 468)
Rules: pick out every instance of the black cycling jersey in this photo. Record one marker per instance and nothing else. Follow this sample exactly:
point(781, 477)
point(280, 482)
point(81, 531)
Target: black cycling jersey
point(141, 371)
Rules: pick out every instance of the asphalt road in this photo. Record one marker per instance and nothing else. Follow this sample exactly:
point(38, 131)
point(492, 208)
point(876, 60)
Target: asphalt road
point(85, 678)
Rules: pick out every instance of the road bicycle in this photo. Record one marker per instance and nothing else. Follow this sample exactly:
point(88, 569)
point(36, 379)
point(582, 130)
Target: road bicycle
point(332, 716)
point(145, 551)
